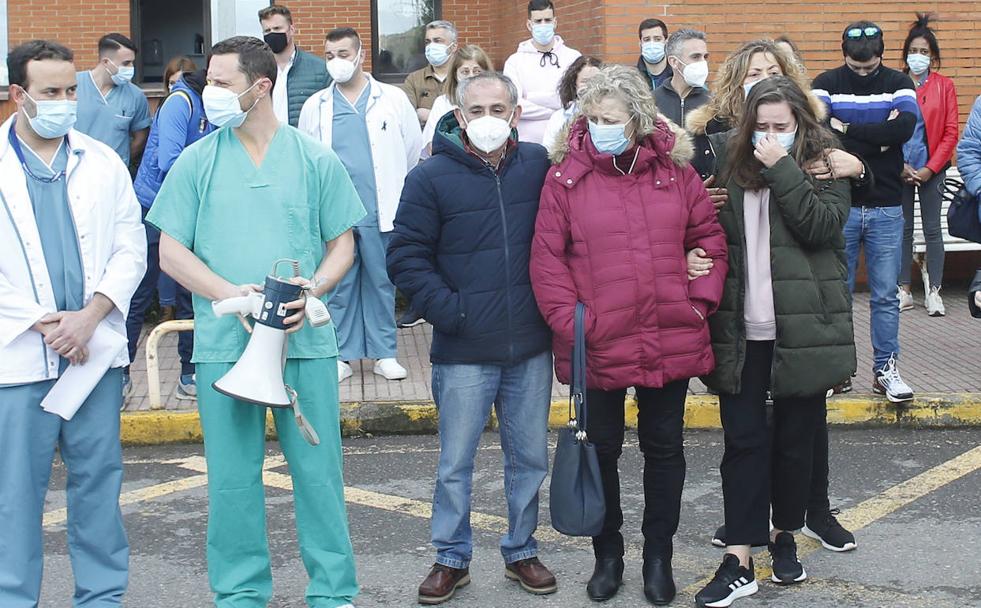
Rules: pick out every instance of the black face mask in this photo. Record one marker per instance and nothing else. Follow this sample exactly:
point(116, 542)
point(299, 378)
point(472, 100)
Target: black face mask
point(276, 41)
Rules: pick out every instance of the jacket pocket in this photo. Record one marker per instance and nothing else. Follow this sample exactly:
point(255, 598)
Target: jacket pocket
point(452, 321)
point(701, 317)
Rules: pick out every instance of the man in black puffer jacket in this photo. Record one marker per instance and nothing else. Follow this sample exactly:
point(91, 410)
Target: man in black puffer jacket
point(460, 252)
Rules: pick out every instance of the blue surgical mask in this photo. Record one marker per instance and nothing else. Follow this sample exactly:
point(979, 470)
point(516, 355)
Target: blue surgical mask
point(749, 87)
point(543, 33)
point(784, 139)
point(653, 52)
point(53, 118)
point(609, 139)
point(437, 54)
point(917, 63)
point(123, 74)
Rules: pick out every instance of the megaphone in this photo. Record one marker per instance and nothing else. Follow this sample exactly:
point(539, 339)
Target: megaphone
point(257, 377)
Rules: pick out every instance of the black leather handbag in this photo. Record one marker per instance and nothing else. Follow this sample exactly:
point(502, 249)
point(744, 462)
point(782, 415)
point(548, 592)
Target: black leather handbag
point(962, 214)
point(576, 491)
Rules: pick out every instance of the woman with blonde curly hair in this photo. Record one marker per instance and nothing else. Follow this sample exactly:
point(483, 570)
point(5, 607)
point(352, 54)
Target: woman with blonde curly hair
point(618, 210)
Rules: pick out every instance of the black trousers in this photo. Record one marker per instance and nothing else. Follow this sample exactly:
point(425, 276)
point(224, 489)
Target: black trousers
point(660, 422)
point(751, 450)
point(818, 501)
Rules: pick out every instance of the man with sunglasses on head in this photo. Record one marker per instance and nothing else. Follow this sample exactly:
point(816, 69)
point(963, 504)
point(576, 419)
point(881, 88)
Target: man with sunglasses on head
point(873, 110)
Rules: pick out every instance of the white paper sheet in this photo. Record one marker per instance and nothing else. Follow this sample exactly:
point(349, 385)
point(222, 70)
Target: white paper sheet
point(78, 381)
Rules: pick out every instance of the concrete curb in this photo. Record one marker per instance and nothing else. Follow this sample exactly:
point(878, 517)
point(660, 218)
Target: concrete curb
point(702, 412)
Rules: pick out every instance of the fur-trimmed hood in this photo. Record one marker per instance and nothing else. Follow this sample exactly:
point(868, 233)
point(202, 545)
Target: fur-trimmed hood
point(700, 121)
point(667, 138)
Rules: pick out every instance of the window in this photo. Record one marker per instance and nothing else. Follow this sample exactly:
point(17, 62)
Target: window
point(164, 30)
point(398, 29)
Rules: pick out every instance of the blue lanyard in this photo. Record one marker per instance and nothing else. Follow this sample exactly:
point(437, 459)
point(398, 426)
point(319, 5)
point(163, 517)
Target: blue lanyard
point(15, 144)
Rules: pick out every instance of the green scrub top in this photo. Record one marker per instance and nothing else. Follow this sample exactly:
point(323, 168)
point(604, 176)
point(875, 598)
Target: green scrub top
point(113, 117)
point(239, 219)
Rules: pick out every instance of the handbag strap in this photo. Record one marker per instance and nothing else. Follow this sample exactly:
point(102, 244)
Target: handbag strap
point(577, 396)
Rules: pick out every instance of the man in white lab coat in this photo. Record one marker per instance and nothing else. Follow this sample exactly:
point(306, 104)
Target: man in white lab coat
point(72, 252)
point(375, 131)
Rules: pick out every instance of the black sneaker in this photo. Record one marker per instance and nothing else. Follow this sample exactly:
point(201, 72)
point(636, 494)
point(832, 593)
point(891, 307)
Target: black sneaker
point(787, 569)
point(410, 318)
point(719, 538)
point(824, 527)
point(730, 583)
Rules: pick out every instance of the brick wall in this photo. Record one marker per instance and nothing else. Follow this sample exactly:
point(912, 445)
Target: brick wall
point(314, 18)
point(77, 24)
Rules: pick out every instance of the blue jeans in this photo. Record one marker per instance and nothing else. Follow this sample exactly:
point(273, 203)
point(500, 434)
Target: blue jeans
point(880, 231)
point(521, 395)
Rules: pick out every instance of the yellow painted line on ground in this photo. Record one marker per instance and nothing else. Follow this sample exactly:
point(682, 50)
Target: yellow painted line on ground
point(479, 521)
point(873, 509)
point(59, 516)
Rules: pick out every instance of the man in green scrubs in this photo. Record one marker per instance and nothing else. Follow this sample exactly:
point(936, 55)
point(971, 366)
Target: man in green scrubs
point(235, 202)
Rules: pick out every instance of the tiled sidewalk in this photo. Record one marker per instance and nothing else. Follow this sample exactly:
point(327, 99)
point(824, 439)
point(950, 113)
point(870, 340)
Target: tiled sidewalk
point(940, 355)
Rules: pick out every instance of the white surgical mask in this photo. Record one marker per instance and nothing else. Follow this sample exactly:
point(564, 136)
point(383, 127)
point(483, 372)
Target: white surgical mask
point(488, 133)
point(917, 63)
point(437, 54)
point(543, 33)
point(222, 107)
point(696, 73)
point(609, 139)
point(653, 52)
point(53, 118)
point(341, 70)
point(749, 87)
point(784, 139)
point(123, 74)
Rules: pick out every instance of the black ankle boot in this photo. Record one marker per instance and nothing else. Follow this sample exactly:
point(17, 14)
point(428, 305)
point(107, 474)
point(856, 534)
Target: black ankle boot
point(606, 580)
point(658, 582)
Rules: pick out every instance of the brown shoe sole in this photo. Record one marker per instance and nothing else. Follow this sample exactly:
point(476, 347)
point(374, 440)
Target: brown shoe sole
point(432, 600)
point(535, 590)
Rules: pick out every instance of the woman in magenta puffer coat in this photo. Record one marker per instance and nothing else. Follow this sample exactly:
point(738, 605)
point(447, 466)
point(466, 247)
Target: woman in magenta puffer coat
point(619, 210)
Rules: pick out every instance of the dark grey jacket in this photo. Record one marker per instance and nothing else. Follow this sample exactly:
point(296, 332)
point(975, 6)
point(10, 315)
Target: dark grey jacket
point(670, 103)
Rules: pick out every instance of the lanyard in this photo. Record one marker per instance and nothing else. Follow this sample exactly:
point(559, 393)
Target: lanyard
point(15, 144)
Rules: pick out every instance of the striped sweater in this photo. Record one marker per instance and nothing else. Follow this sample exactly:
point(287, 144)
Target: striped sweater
point(865, 104)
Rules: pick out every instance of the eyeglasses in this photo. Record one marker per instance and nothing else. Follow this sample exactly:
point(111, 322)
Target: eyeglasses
point(867, 32)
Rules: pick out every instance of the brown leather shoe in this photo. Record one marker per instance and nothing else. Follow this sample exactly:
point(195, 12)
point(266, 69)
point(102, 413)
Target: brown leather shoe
point(167, 314)
point(533, 576)
point(441, 583)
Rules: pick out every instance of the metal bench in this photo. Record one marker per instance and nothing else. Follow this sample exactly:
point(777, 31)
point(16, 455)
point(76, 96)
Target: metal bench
point(951, 244)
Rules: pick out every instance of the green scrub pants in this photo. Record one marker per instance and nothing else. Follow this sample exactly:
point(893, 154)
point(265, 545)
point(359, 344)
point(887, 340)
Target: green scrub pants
point(234, 443)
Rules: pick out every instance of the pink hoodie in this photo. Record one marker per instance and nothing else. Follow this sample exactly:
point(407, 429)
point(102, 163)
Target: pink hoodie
point(537, 76)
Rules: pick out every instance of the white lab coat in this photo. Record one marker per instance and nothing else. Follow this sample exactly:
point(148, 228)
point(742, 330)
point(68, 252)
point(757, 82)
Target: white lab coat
point(441, 107)
point(394, 134)
point(111, 239)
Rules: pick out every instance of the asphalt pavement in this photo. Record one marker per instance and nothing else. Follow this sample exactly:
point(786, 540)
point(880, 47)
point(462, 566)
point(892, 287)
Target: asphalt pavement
point(911, 496)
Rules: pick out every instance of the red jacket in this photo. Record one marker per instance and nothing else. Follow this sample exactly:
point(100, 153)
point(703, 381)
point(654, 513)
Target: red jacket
point(938, 104)
point(617, 243)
